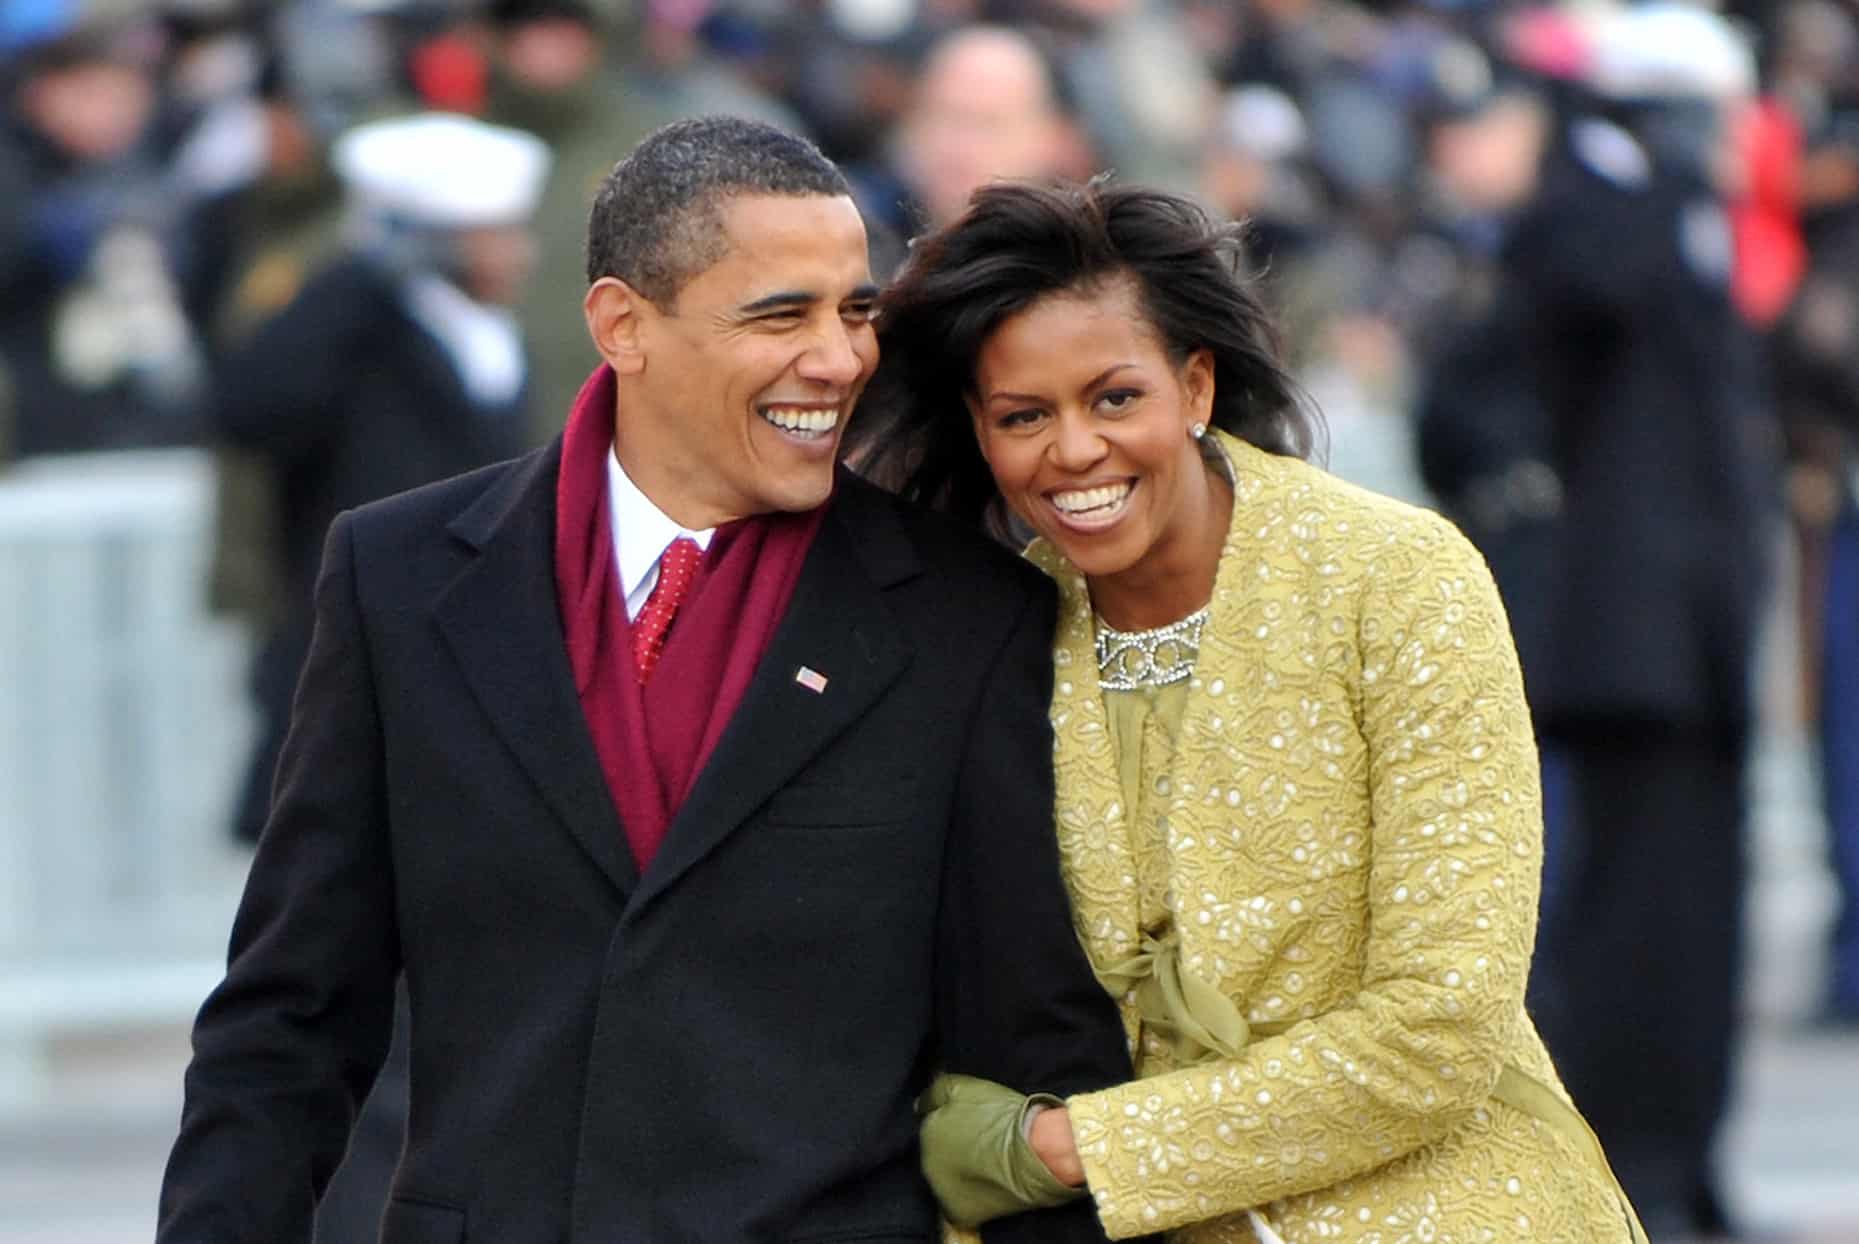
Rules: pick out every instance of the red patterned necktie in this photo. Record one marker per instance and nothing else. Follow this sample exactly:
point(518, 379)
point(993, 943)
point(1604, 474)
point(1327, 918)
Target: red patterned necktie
point(676, 568)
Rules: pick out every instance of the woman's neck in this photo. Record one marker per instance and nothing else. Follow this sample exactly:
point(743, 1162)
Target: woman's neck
point(1176, 576)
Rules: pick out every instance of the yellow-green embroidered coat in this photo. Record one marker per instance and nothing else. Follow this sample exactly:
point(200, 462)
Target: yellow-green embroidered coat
point(1344, 833)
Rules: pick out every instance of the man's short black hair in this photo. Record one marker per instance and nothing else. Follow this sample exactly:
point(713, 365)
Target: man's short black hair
point(658, 217)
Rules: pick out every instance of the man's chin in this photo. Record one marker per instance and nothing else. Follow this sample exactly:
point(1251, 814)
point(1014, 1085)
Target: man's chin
point(798, 495)
point(812, 499)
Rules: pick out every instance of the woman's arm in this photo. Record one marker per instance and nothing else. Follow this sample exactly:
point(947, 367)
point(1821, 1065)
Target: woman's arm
point(1454, 858)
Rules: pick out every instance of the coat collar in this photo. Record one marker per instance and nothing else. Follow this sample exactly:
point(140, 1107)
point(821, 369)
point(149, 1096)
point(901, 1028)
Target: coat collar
point(501, 618)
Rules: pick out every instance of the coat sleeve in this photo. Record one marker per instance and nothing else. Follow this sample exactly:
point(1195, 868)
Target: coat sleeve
point(1455, 851)
point(281, 392)
point(288, 1044)
point(1017, 1002)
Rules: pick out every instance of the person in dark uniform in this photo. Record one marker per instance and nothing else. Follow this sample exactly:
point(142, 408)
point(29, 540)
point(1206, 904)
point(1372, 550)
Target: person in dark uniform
point(1653, 579)
point(397, 364)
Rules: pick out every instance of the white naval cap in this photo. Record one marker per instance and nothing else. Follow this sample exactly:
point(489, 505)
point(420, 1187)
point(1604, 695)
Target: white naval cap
point(442, 170)
point(1669, 51)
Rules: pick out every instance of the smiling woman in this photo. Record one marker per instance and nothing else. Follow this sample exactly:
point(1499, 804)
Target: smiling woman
point(1085, 421)
point(1297, 803)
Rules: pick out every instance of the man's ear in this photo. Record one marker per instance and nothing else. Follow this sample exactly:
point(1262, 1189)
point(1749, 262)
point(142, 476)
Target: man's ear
point(614, 311)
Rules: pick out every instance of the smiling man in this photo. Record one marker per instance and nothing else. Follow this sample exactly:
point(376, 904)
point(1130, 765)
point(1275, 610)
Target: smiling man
point(701, 792)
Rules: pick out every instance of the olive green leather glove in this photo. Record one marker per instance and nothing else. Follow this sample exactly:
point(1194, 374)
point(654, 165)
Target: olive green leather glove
point(975, 1153)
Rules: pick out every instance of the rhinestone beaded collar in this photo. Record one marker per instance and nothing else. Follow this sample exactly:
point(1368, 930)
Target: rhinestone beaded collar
point(1132, 660)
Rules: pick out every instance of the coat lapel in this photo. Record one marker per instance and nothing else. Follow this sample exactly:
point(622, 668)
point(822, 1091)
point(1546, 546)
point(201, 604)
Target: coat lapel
point(1097, 855)
point(837, 626)
point(501, 619)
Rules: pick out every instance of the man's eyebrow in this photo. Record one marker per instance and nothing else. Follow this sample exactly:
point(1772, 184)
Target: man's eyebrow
point(782, 300)
point(800, 299)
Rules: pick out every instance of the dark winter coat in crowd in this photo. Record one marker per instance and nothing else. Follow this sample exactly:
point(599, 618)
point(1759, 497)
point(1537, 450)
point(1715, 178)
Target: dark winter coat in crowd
point(1651, 582)
point(347, 398)
point(1482, 438)
point(1659, 435)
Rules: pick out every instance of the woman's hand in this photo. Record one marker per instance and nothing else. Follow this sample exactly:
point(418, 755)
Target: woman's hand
point(1050, 1137)
point(978, 1153)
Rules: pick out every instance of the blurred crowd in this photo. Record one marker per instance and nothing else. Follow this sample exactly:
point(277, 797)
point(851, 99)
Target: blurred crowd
point(1584, 275)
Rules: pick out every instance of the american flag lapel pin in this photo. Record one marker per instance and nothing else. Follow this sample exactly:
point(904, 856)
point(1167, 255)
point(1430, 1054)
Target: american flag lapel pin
point(810, 678)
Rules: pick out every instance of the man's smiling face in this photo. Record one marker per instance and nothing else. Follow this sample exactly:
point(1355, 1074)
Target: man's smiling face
point(744, 384)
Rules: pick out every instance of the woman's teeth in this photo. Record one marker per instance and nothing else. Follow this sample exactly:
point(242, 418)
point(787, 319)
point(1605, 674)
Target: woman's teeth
point(802, 420)
point(1091, 502)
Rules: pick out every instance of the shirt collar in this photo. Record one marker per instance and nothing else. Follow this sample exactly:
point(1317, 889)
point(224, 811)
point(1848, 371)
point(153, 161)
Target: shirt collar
point(641, 531)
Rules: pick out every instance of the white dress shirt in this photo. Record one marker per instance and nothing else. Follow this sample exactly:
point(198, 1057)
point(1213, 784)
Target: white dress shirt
point(641, 534)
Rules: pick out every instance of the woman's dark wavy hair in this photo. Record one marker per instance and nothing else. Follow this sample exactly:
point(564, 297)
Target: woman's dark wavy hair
point(1017, 243)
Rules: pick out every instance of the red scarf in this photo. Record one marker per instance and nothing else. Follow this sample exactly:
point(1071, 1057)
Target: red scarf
point(653, 740)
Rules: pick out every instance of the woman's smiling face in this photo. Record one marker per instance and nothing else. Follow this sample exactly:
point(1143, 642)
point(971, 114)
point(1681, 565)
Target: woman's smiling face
point(1085, 421)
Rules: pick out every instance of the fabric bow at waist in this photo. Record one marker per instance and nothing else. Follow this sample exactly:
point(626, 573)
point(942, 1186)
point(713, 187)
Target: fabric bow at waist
point(1197, 1018)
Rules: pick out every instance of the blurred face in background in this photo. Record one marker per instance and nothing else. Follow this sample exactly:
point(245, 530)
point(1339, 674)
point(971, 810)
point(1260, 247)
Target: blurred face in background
point(495, 262)
point(91, 110)
point(984, 110)
point(1488, 162)
point(550, 53)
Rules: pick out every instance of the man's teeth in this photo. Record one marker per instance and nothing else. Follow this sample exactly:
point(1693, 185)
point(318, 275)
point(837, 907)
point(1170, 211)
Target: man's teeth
point(1085, 500)
point(805, 419)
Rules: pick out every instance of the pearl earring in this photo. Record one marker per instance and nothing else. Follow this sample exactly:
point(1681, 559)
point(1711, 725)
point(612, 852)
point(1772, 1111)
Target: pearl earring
point(1197, 429)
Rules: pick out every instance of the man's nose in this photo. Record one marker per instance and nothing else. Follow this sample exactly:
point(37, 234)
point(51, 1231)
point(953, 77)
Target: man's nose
point(832, 358)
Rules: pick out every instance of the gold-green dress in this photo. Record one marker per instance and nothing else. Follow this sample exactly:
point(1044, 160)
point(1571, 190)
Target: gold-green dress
point(1311, 872)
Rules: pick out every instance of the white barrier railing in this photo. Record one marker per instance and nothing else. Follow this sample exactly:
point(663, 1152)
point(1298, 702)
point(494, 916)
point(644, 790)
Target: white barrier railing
point(123, 729)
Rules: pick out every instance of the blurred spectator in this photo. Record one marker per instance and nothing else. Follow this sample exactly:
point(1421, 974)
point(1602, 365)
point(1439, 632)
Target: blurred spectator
point(1816, 362)
point(1483, 435)
point(1282, 43)
point(848, 67)
point(1144, 91)
point(337, 59)
point(1659, 440)
point(1817, 376)
point(985, 107)
point(104, 248)
point(284, 225)
point(688, 65)
point(397, 364)
point(1770, 251)
point(557, 72)
point(1253, 169)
